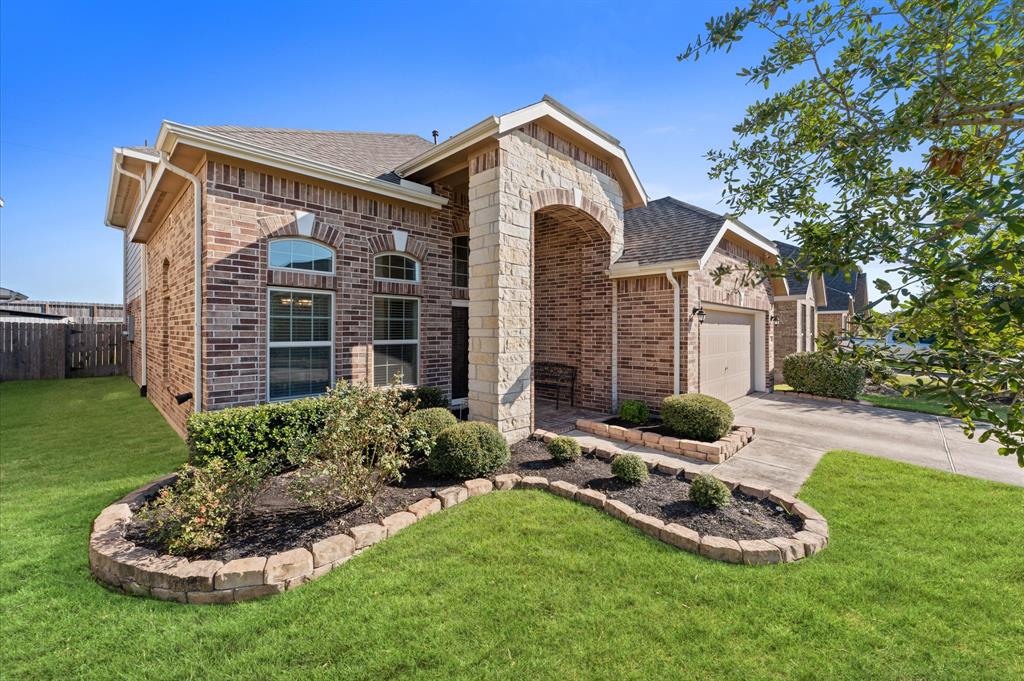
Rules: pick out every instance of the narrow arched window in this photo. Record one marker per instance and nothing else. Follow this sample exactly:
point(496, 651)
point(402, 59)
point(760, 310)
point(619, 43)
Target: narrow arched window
point(300, 254)
point(396, 267)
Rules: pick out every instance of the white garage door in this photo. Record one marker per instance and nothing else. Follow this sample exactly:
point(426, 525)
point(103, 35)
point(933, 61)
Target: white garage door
point(725, 355)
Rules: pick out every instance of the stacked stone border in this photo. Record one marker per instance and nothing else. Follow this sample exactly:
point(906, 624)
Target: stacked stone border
point(713, 452)
point(118, 563)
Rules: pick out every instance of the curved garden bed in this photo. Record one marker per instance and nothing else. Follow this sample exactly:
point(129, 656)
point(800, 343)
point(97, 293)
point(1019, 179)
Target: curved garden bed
point(761, 527)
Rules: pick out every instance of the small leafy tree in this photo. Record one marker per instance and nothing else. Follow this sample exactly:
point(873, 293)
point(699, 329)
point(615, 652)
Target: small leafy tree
point(898, 137)
point(365, 443)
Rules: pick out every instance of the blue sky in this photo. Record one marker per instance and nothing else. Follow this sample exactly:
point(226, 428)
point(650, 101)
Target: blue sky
point(81, 78)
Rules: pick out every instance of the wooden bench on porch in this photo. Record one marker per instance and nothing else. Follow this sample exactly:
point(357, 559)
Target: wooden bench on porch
point(557, 378)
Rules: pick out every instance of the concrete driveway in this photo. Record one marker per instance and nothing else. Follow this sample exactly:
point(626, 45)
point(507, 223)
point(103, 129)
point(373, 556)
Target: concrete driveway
point(793, 433)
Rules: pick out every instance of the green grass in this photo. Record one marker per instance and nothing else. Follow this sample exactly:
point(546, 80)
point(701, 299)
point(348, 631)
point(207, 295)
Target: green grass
point(923, 580)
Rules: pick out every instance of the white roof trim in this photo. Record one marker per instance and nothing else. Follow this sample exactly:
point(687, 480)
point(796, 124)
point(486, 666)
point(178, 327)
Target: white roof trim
point(743, 232)
point(633, 268)
point(172, 133)
point(465, 139)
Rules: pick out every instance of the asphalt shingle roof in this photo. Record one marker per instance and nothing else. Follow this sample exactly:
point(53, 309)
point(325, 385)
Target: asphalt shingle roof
point(796, 279)
point(839, 290)
point(375, 154)
point(668, 229)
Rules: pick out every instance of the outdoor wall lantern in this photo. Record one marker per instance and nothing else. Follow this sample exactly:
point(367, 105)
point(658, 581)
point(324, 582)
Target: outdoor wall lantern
point(774, 319)
point(699, 313)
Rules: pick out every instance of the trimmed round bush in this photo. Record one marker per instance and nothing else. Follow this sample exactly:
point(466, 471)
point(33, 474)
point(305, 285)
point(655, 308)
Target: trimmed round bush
point(564, 449)
point(427, 425)
point(820, 373)
point(709, 492)
point(635, 412)
point(468, 450)
point(630, 468)
point(696, 417)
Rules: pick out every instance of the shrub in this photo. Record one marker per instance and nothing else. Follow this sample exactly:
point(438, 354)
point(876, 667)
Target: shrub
point(820, 373)
point(635, 411)
point(696, 417)
point(564, 449)
point(469, 450)
point(426, 425)
point(630, 468)
point(193, 514)
point(260, 435)
point(879, 372)
point(364, 444)
point(425, 397)
point(709, 492)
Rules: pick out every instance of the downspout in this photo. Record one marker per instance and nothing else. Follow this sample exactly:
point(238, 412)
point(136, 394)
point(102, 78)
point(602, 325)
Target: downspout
point(197, 350)
point(675, 330)
point(615, 345)
point(143, 184)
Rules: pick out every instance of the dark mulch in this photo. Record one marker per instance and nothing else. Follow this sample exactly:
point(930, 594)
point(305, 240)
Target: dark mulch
point(662, 496)
point(277, 522)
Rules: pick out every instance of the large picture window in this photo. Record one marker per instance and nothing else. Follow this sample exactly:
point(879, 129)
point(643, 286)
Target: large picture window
point(396, 340)
point(394, 267)
point(460, 261)
point(299, 254)
point(300, 343)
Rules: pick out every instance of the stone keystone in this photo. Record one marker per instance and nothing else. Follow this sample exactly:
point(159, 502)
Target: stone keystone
point(647, 524)
point(478, 486)
point(591, 498)
point(506, 481)
point(681, 537)
point(288, 565)
point(720, 548)
point(332, 549)
point(563, 489)
point(534, 482)
point(241, 572)
point(424, 507)
point(617, 509)
point(368, 534)
point(398, 521)
point(760, 552)
point(450, 496)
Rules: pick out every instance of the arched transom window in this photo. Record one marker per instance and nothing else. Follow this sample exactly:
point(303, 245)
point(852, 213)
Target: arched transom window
point(396, 267)
point(300, 254)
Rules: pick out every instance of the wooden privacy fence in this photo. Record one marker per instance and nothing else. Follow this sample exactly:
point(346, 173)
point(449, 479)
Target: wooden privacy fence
point(31, 350)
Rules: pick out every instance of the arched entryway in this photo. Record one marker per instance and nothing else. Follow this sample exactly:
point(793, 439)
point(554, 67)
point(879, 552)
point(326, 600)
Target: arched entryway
point(572, 307)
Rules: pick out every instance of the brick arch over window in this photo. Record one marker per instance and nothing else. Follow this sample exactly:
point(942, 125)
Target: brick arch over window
point(385, 243)
point(554, 196)
point(286, 225)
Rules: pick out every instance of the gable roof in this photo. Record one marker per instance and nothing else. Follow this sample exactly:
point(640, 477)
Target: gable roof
point(668, 229)
point(374, 154)
point(840, 289)
point(796, 279)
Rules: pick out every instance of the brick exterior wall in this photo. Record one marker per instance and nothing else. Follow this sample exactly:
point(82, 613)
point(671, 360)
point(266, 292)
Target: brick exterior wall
point(832, 322)
point(645, 339)
point(572, 301)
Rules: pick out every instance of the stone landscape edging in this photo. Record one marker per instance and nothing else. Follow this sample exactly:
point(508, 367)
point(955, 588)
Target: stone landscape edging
point(118, 563)
point(713, 452)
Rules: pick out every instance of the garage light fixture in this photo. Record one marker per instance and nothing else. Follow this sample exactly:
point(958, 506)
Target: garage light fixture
point(699, 313)
point(774, 319)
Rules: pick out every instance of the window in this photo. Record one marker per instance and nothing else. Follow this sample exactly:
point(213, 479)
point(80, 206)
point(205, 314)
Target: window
point(299, 254)
point(460, 261)
point(396, 267)
point(300, 343)
point(396, 333)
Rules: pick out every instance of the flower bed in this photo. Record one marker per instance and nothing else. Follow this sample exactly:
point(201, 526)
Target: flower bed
point(655, 436)
point(763, 527)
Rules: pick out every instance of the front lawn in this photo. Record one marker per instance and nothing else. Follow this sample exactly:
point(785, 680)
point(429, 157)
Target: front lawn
point(922, 579)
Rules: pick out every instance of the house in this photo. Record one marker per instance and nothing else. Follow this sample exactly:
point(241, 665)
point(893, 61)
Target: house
point(796, 327)
point(82, 313)
point(266, 264)
point(847, 295)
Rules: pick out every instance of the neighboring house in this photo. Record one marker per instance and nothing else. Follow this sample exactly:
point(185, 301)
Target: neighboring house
point(847, 295)
point(82, 313)
point(7, 294)
point(796, 328)
point(266, 264)
point(29, 316)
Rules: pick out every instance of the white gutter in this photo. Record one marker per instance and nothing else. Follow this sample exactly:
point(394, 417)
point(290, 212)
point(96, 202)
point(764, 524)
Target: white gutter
point(142, 266)
point(621, 270)
point(197, 352)
point(675, 330)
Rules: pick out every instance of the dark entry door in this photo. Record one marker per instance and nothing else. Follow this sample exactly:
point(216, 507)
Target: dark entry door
point(460, 353)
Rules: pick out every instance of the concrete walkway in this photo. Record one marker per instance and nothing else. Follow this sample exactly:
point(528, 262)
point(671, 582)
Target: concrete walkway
point(793, 434)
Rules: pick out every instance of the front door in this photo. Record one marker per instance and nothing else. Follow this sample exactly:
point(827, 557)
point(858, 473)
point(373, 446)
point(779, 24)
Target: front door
point(460, 353)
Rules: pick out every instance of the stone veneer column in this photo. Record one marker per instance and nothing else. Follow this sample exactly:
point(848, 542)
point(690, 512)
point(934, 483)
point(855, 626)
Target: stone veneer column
point(500, 290)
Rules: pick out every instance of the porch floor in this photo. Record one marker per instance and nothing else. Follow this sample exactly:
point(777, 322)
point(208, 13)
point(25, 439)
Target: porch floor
point(563, 418)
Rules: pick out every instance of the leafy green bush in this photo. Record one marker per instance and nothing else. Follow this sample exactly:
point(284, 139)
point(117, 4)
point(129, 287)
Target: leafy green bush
point(425, 397)
point(260, 435)
point(469, 450)
point(426, 425)
point(635, 411)
point(879, 372)
point(709, 492)
point(820, 373)
point(630, 468)
point(193, 514)
point(696, 417)
point(564, 449)
point(364, 444)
